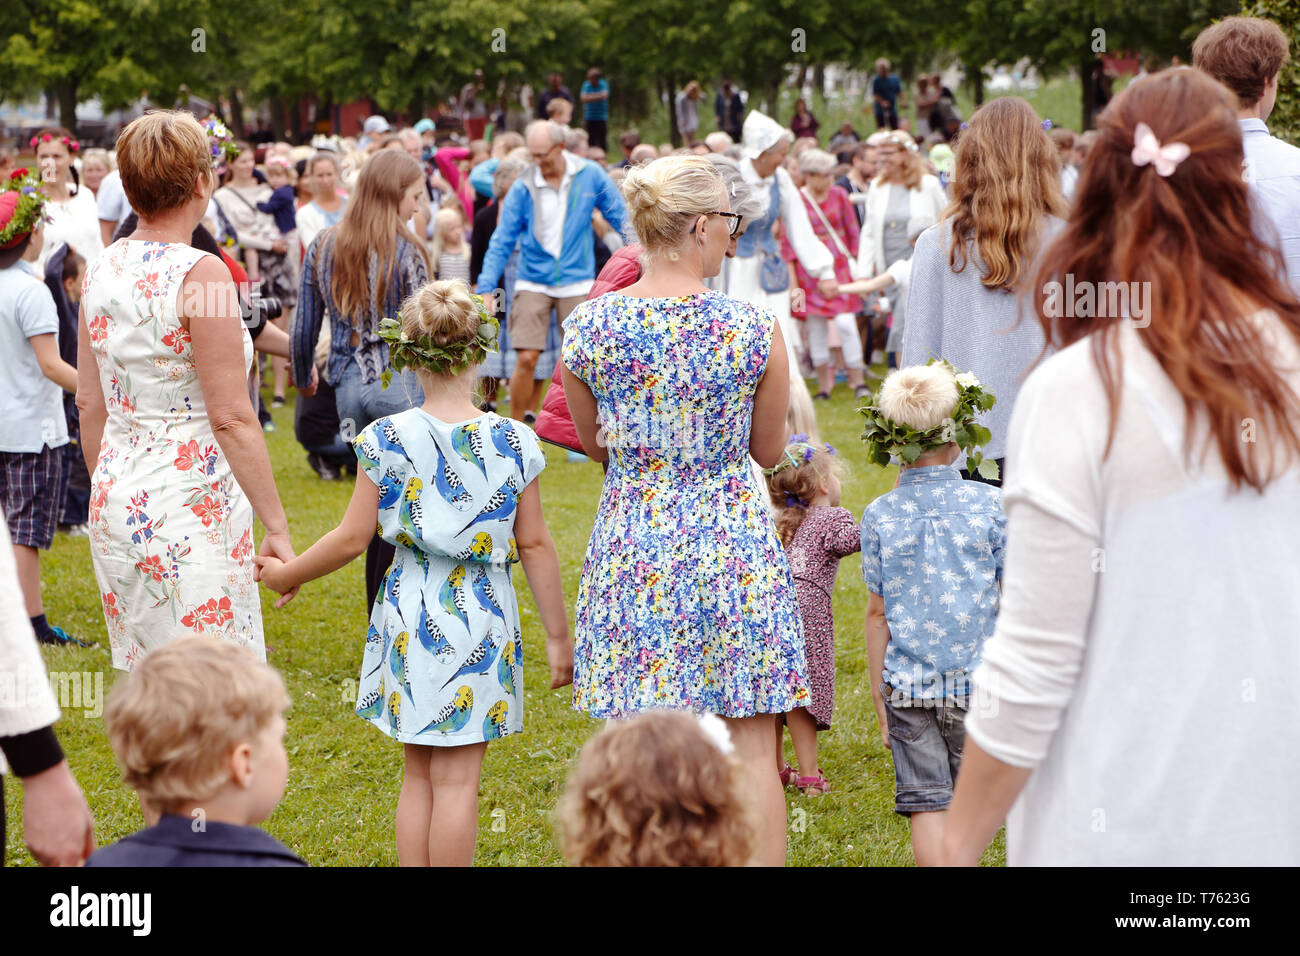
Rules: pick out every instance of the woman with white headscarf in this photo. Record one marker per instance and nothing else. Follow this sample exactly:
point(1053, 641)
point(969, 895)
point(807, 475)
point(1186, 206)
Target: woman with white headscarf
point(758, 274)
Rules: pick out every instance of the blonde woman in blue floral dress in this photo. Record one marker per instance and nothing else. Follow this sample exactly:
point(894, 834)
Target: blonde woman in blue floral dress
point(686, 599)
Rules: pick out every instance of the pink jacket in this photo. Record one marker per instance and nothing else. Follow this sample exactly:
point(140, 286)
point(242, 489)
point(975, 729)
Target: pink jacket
point(555, 423)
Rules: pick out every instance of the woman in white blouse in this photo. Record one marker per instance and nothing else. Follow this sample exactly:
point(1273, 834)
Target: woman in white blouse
point(1136, 703)
point(74, 218)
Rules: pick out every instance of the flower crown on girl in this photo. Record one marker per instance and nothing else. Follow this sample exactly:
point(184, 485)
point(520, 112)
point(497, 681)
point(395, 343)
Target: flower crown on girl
point(71, 144)
point(797, 453)
point(25, 212)
point(450, 358)
point(886, 439)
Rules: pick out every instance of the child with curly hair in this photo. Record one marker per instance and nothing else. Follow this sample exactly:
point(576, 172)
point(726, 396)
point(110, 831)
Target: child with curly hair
point(805, 490)
point(661, 789)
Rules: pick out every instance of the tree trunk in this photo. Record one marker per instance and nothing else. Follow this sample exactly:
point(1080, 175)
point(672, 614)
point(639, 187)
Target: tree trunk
point(674, 134)
point(772, 76)
point(277, 118)
point(66, 91)
point(237, 115)
point(819, 81)
point(978, 83)
point(1089, 91)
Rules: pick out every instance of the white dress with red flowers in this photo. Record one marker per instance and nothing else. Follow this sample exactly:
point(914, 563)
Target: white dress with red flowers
point(171, 532)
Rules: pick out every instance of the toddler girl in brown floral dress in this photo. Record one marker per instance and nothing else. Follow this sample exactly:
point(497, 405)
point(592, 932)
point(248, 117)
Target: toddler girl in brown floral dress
point(816, 532)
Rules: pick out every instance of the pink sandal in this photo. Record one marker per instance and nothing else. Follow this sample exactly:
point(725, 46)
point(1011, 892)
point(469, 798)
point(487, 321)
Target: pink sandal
point(788, 777)
point(818, 783)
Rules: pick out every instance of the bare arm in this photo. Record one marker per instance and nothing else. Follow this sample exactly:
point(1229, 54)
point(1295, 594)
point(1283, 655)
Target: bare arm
point(90, 397)
point(877, 641)
point(218, 344)
point(867, 286)
point(106, 229)
point(542, 567)
point(273, 340)
point(331, 552)
point(582, 406)
point(988, 787)
point(52, 365)
point(768, 432)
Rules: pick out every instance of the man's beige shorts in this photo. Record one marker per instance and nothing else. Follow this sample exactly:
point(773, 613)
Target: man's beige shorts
point(530, 317)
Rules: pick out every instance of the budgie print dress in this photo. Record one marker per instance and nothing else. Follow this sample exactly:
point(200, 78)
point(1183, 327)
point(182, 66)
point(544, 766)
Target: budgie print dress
point(685, 599)
point(443, 663)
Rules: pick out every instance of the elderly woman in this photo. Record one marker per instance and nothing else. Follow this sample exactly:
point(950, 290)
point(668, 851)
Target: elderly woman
point(177, 459)
point(835, 223)
point(902, 201)
point(758, 274)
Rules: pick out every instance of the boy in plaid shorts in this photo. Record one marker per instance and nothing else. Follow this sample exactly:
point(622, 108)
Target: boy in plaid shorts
point(33, 377)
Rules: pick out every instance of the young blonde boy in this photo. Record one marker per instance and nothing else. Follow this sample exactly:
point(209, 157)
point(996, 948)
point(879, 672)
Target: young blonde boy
point(198, 730)
point(932, 554)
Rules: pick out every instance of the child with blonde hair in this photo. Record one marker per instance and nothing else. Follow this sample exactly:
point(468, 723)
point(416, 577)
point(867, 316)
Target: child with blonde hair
point(805, 490)
point(198, 730)
point(932, 554)
point(450, 254)
point(455, 490)
point(660, 789)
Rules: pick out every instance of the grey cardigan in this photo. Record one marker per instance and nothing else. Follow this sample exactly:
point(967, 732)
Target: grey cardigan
point(952, 315)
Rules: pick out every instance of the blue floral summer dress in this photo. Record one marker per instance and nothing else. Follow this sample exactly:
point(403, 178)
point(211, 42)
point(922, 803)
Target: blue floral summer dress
point(443, 662)
point(686, 599)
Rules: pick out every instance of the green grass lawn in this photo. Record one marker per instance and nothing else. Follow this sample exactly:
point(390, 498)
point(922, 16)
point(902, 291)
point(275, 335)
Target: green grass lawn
point(344, 776)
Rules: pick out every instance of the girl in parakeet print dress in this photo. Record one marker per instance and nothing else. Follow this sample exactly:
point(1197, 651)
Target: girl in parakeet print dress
point(455, 491)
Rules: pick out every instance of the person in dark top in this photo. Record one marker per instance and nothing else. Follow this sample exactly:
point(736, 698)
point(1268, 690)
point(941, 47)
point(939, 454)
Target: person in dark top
point(64, 270)
point(729, 110)
point(554, 90)
point(198, 729)
point(885, 91)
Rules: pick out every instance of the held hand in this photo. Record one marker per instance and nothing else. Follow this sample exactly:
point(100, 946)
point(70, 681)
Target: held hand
point(280, 246)
point(308, 390)
point(277, 545)
point(559, 656)
point(57, 824)
point(490, 302)
point(828, 287)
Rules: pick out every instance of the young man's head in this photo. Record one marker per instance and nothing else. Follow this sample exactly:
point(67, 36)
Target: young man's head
point(74, 270)
point(921, 397)
point(198, 725)
point(1245, 54)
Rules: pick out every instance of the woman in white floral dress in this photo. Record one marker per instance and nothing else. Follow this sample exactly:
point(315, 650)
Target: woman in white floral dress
point(178, 463)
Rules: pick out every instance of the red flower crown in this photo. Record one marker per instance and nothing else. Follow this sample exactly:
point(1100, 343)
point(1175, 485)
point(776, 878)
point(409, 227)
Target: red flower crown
point(67, 141)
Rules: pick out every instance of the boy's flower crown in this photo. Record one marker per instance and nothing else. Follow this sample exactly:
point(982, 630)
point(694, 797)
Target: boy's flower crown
point(29, 209)
point(797, 452)
point(221, 142)
point(450, 359)
point(886, 438)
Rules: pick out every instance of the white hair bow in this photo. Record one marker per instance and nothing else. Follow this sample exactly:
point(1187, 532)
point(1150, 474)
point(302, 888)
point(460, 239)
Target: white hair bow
point(1147, 149)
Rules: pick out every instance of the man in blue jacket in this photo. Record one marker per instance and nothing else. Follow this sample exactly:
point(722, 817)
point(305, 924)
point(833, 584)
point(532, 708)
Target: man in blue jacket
point(548, 210)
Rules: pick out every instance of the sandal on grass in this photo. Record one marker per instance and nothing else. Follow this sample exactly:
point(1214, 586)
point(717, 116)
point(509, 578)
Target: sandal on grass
point(813, 786)
point(823, 396)
point(788, 776)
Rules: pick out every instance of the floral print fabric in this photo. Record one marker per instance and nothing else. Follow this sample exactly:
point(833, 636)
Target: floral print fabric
point(685, 599)
point(171, 532)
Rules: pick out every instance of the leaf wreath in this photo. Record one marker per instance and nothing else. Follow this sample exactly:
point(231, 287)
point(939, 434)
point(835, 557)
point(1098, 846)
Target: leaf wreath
point(887, 439)
point(29, 210)
point(450, 358)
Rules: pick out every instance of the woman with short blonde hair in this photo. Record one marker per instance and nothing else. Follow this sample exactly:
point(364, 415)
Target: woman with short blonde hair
point(168, 432)
point(686, 384)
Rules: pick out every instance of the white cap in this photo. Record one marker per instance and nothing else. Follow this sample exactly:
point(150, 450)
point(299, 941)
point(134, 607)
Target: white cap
point(761, 133)
point(375, 124)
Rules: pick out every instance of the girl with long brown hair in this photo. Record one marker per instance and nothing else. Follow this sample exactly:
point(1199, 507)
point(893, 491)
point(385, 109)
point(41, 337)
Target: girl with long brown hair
point(1142, 663)
point(963, 302)
point(357, 273)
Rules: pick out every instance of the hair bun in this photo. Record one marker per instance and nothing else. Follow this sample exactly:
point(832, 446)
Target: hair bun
point(641, 189)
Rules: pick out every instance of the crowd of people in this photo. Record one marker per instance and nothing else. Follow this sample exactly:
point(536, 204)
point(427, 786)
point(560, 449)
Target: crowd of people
point(1091, 358)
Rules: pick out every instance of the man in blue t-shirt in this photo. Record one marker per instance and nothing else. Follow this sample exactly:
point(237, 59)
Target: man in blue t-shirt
point(595, 107)
point(885, 90)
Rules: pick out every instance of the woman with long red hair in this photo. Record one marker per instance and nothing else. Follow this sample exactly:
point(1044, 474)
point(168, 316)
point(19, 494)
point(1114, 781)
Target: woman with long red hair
point(1135, 702)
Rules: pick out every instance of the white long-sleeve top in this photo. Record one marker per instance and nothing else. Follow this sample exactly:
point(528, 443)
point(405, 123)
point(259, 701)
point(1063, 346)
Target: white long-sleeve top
point(1148, 642)
point(925, 205)
point(816, 259)
point(26, 701)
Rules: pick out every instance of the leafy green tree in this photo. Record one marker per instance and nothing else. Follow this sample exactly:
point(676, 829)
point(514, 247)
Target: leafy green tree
point(1284, 121)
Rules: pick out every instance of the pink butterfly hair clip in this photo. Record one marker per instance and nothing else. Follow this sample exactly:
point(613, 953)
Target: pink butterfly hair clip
point(1147, 149)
